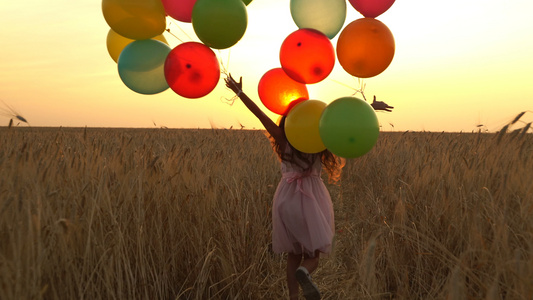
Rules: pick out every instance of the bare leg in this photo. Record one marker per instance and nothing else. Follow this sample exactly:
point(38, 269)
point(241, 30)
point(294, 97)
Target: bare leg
point(311, 263)
point(293, 262)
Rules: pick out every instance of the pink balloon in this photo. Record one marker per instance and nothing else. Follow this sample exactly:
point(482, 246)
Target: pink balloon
point(180, 10)
point(371, 8)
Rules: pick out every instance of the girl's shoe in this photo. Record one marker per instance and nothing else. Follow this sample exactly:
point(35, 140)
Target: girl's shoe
point(310, 290)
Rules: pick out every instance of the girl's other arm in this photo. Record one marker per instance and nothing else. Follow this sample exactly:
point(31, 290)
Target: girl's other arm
point(380, 105)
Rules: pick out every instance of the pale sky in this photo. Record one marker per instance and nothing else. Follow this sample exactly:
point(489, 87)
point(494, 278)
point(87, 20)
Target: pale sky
point(457, 64)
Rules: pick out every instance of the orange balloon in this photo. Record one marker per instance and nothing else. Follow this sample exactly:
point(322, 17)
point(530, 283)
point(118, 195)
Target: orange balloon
point(279, 93)
point(365, 48)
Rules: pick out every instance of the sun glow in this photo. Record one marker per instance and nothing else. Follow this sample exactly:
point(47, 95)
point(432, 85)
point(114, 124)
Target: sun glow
point(456, 65)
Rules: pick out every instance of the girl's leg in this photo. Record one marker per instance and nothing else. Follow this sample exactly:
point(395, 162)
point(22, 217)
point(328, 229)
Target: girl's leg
point(293, 262)
point(308, 265)
point(311, 263)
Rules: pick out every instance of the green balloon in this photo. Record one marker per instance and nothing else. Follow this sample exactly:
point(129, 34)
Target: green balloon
point(219, 24)
point(246, 2)
point(327, 16)
point(349, 127)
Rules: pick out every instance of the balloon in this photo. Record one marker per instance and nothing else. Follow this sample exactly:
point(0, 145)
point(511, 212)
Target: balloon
point(365, 47)
point(301, 126)
point(116, 43)
point(141, 66)
point(327, 16)
point(371, 8)
point(246, 2)
point(349, 127)
point(279, 92)
point(219, 24)
point(180, 10)
point(192, 70)
point(135, 19)
point(307, 56)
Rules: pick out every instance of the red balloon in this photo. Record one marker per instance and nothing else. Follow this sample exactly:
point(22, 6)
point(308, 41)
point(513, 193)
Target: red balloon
point(180, 10)
point(371, 8)
point(192, 70)
point(279, 93)
point(307, 56)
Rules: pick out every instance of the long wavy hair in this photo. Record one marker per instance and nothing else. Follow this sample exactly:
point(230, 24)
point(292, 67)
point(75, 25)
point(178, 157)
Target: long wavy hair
point(331, 163)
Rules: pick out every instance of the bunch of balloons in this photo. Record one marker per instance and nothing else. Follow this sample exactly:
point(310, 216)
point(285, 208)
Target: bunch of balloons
point(148, 65)
point(348, 126)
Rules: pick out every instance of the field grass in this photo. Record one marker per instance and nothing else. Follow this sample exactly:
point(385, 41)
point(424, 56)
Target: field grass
point(185, 214)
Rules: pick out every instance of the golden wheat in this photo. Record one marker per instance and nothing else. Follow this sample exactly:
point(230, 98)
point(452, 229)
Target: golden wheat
point(185, 214)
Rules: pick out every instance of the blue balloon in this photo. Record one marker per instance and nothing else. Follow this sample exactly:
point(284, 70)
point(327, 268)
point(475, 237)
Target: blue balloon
point(141, 66)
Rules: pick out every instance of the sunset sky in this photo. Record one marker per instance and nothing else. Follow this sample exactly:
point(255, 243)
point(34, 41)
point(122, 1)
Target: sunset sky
point(458, 64)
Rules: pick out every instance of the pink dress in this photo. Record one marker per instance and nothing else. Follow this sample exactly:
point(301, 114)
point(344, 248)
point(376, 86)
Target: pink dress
point(302, 213)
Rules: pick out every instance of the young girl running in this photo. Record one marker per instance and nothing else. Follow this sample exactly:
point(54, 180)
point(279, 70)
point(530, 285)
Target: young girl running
point(302, 213)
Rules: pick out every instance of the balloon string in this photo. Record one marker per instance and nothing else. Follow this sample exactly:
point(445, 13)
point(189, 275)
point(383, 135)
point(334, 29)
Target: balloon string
point(362, 86)
point(168, 30)
point(170, 23)
point(361, 89)
point(224, 68)
point(181, 29)
point(229, 56)
point(343, 84)
point(229, 101)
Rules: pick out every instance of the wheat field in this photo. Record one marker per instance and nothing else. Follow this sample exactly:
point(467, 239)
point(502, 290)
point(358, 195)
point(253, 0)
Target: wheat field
point(185, 214)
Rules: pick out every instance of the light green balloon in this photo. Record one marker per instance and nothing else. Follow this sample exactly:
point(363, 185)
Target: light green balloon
point(349, 127)
point(327, 16)
point(219, 24)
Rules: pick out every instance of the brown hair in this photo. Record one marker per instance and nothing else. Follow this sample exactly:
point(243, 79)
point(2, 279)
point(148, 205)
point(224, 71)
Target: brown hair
point(331, 163)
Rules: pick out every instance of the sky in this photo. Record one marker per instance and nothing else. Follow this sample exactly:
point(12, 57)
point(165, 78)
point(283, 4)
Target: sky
point(458, 66)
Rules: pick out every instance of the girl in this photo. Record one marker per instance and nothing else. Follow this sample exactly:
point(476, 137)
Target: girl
point(302, 213)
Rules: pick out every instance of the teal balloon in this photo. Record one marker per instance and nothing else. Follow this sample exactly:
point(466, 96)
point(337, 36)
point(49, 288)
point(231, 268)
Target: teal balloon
point(349, 127)
point(141, 66)
point(327, 16)
point(219, 24)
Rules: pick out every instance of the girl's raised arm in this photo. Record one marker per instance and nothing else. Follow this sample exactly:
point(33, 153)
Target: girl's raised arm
point(274, 130)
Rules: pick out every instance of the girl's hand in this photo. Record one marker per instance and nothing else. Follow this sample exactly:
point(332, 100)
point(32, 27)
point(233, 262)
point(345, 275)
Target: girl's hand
point(273, 129)
point(233, 85)
point(380, 105)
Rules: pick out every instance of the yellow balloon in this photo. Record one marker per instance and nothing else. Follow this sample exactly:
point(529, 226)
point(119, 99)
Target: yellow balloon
point(116, 43)
point(301, 126)
point(135, 19)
